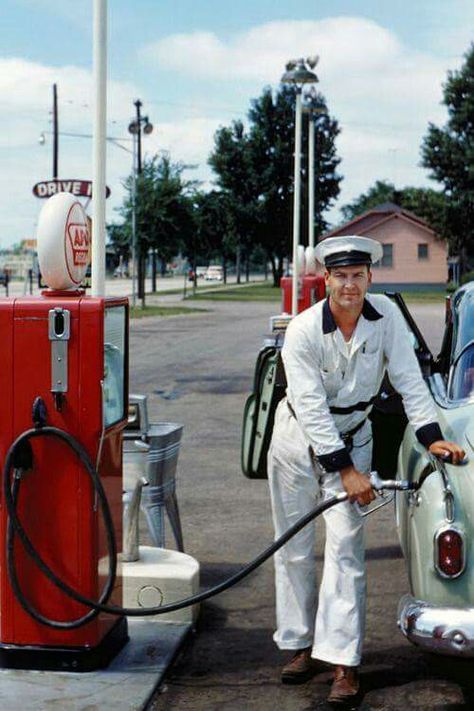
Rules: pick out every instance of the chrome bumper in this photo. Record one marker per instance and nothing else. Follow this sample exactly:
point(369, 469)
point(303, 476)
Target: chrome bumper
point(441, 630)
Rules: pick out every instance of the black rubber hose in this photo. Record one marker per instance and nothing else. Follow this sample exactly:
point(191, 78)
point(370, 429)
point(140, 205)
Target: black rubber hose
point(115, 609)
point(14, 526)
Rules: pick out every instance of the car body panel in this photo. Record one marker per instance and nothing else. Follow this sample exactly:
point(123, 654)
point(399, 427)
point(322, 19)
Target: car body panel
point(438, 614)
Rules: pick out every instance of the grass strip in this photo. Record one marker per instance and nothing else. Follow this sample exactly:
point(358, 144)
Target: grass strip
point(138, 312)
point(253, 292)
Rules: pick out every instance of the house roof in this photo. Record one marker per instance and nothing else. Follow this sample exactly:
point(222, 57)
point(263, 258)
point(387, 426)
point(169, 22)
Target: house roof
point(376, 216)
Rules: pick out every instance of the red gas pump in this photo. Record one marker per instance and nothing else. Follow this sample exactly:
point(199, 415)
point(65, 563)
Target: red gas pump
point(71, 351)
point(310, 290)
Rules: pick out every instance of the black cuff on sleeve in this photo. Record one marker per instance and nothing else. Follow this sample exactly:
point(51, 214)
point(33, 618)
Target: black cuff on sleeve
point(428, 434)
point(336, 460)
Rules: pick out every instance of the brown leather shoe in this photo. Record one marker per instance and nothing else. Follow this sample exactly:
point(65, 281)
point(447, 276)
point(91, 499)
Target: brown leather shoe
point(345, 685)
point(300, 668)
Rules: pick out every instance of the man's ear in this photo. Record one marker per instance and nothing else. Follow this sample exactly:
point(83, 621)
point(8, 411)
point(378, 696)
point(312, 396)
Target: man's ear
point(326, 277)
point(369, 277)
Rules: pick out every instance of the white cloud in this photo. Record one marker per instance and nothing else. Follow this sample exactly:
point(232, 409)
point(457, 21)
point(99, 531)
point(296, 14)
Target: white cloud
point(26, 90)
point(382, 92)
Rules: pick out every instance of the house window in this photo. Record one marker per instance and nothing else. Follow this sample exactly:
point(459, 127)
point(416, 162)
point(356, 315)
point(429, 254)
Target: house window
point(387, 256)
point(423, 251)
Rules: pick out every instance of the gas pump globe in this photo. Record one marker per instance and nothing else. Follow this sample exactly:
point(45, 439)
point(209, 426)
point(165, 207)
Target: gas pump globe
point(71, 351)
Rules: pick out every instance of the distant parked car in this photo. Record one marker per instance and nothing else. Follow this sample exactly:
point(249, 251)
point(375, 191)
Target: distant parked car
point(200, 272)
point(121, 272)
point(214, 273)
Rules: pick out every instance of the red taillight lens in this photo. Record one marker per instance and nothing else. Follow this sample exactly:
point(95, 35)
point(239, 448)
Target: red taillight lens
point(450, 552)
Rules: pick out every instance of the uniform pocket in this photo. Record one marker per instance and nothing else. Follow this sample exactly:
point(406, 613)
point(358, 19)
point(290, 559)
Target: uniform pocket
point(368, 367)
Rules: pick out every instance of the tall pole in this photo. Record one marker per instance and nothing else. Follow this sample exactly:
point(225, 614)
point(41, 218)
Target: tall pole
point(296, 201)
point(99, 147)
point(311, 132)
point(55, 131)
point(134, 221)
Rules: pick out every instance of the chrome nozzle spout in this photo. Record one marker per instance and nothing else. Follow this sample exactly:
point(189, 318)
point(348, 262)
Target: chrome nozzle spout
point(131, 512)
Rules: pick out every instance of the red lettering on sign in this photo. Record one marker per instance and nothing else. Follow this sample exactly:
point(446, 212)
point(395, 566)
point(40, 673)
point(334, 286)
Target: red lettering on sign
point(80, 241)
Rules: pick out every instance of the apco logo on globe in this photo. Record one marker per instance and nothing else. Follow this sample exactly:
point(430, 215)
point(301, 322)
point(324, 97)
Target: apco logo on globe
point(79, 241)
point(63, 242)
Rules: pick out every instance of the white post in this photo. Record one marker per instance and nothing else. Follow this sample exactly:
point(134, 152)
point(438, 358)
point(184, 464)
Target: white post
point(311, 132)
point(296, 202)
point(99, 147)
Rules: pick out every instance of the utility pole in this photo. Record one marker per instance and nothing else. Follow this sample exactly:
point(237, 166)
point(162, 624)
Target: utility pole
point(55, 132)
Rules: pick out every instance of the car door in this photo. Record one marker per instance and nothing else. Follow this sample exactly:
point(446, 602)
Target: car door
point(388, 415)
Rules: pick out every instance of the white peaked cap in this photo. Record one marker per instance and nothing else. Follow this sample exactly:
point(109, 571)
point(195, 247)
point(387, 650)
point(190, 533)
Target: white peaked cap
point(348, 250)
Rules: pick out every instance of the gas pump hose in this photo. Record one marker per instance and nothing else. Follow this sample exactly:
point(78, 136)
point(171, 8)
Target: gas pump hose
point(15, 528)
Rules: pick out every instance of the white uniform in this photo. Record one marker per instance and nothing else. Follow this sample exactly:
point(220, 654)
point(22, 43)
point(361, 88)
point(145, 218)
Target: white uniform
point(325, 381)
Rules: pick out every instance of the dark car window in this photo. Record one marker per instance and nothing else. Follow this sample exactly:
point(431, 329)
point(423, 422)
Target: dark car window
point(461, 383)
point(463, 319)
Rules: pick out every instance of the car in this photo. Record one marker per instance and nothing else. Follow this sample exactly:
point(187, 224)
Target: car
point(200, 272)
point(435, 522)
point(121, 272)
point(214, 273)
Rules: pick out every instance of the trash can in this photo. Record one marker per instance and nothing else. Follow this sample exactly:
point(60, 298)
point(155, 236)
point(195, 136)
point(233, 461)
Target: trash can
point(151, 451)
point(164, 439)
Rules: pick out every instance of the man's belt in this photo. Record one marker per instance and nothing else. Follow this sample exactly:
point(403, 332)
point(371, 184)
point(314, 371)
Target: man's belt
point(363, 405)
point(348, 436)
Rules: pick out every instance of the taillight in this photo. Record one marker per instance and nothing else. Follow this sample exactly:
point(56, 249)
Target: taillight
point(449, 553)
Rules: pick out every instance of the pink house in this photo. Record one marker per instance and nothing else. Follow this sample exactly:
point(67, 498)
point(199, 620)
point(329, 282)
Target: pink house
point(413, 255)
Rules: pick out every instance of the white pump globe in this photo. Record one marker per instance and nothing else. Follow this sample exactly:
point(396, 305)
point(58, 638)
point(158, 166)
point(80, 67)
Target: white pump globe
point(310, 261)
point(63, 242)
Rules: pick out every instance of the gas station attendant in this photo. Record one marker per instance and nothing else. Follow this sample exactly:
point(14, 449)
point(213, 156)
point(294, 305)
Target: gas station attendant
point(335, 355)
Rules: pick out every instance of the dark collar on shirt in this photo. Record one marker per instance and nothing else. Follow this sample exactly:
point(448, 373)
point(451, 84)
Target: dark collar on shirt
point(329, 324)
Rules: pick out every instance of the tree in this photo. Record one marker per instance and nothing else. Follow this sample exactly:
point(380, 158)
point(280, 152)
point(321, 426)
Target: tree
point(215, 229)
point(426, 203)
point(163, 211)
point(255, 168)
point(449, 154)
point(232, 162)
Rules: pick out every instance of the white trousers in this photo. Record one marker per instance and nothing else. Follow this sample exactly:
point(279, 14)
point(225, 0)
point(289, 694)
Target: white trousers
point(334, 626)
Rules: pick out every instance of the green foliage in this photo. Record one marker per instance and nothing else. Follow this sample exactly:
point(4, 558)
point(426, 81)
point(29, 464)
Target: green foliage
point(426, 203)
point(449, 154)
point(163, 212)
point(255, 170)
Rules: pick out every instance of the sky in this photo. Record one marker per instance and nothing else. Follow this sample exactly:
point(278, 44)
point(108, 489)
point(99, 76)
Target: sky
point(197, 64)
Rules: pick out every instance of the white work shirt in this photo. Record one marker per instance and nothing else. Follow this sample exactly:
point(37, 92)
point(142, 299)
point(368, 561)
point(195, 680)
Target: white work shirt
point(322, 373)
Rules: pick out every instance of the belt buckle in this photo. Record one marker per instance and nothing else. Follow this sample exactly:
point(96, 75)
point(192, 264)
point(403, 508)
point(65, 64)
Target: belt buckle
point(348, 440)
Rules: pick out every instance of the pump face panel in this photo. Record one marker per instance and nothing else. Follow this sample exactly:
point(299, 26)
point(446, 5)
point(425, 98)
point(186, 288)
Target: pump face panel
point(73, 352)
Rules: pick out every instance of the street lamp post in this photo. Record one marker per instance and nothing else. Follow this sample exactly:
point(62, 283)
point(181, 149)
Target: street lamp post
point(298, 74)
point(135, 128)
point(311, 134)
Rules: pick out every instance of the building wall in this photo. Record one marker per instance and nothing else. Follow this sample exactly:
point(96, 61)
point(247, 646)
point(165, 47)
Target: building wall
point(407, 267)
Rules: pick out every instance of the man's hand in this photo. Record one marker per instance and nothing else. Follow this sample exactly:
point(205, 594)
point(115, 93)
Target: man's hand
point(442, 449)
point(357, 486)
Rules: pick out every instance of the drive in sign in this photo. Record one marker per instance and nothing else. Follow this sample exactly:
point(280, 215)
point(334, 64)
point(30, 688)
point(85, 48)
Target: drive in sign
point(80, 188)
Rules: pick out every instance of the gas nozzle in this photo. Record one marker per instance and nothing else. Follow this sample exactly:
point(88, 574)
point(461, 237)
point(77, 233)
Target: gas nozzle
point(380, 484)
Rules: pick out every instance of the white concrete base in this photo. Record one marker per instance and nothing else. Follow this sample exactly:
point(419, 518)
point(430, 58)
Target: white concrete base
point(128, 684)
point(160, 577)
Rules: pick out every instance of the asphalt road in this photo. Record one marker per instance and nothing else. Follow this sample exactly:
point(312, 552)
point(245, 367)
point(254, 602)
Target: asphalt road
point(197, 369)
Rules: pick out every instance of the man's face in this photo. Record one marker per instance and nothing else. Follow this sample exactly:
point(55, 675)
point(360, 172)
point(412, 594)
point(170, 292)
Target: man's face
point(348, 285)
